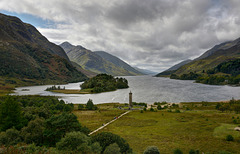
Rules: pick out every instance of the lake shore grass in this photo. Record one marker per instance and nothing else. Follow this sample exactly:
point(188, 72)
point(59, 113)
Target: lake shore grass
point(198, 126)
point(73, 91)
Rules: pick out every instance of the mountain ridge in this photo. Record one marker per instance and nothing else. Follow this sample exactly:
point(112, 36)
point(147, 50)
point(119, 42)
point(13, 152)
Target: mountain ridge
point(117, 61)
point(91, 61)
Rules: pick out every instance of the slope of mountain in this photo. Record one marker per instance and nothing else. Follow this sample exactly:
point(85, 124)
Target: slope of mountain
point(174, 68)
point(91, 61)
point(26, 54)
point(118, 62)
point(218, 54)
point(145, 71)
point(86, 72)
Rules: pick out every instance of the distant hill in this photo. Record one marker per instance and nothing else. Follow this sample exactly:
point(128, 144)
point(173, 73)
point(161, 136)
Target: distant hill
point(174, 68)
point(118, 62)
point(91, 61)
point(210, 59)
point(27, 54)
point(145, 71)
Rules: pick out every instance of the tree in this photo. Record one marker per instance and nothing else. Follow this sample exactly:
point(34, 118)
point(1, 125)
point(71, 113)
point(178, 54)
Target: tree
point(152, 150)
point(72, 141)
point(58, 125)
point(90, 105)
point(112, 148)
point(33, 133)
point(107, 138)
point(11, 115)
point(159, 107)
point(10, 137)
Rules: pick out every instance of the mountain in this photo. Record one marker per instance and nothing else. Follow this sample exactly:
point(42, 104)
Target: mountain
point(210, 59)
point(91, 61)
point(145, 71)
point(118, 62)
point(174, 68)
point(26, 54)
point(86, 72)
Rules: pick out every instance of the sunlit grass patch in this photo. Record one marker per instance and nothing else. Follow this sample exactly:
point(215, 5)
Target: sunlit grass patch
point(226, 129)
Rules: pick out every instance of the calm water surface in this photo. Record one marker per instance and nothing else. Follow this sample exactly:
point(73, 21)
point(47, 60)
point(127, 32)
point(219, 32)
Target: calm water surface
point(145, 89)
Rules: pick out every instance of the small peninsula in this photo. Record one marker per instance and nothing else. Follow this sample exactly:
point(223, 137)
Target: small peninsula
point(98, 84)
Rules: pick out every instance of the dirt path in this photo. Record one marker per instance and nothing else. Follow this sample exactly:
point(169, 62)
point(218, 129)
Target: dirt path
point(108, 123)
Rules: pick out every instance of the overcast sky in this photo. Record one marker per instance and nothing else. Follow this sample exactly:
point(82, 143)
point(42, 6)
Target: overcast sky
point(151, 34)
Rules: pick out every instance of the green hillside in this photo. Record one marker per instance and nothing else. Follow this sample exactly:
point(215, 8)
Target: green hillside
point(212, 58)
point(29, 56)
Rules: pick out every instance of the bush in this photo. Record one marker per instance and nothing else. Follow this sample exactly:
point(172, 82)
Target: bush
point(72, 141)
point(194, 151)
point(33, 133)
point(159, 107)
point(151, 150)
point(177, 111)
point(107, 138)
point(177, 151)
point(229, 138)
point(10, 137)
point(80, 107)
point(112, 148)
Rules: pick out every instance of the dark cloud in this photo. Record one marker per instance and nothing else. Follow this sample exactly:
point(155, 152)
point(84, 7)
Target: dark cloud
point(153, 34)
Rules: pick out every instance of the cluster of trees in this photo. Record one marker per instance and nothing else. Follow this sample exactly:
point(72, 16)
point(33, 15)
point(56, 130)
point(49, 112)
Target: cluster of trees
point(155, 150)
point(140, 104)
point(215, 76)
point(189, 76)
point(88, 106)
point(55, 88)
point(233, 105)
point(230, 67)
point(104, 82)
point(47, 122)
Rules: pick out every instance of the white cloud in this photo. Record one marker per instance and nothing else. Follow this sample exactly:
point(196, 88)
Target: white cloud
point(152, 34)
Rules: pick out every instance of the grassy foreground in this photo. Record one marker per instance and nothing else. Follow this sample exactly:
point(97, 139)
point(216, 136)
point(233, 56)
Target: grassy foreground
point(199, 129)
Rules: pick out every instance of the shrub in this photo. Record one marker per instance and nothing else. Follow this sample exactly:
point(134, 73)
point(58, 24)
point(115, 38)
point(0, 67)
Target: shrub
point(151, 150)
point(10, 137)
point(177, 151)
point(194, 151)
point(177, 111)
point(107, 138)
point(229, 138)
point(72, 141)
point(33, 133)
point(112, 148)
point(80, 107)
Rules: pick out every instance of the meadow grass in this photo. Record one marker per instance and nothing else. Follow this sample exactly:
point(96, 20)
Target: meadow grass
point(96, 118)
point(203, 130)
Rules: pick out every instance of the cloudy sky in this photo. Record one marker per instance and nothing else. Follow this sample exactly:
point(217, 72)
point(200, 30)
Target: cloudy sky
point(151, 34)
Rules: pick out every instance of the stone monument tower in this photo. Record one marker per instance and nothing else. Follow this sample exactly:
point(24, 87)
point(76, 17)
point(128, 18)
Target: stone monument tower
point(130, 100)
